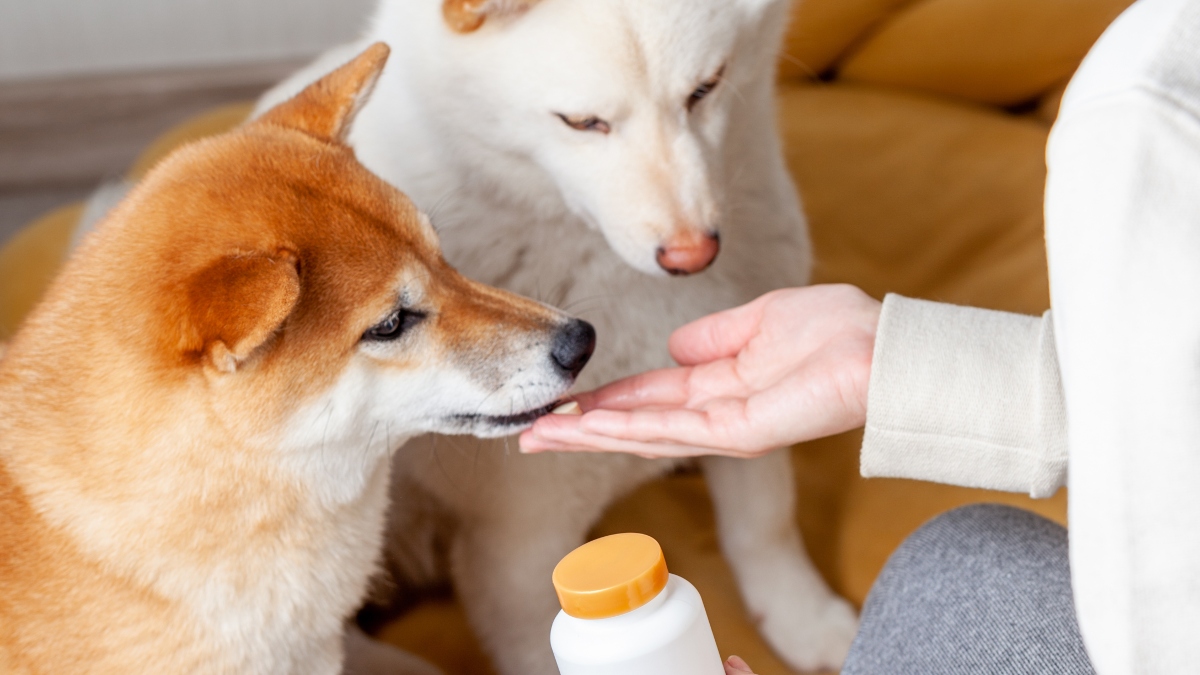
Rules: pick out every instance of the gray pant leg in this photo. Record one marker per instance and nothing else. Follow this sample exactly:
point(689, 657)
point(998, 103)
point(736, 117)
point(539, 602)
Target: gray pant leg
point(981, 589)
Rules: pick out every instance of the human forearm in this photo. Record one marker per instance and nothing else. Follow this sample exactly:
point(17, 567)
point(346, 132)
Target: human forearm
point(965, 396)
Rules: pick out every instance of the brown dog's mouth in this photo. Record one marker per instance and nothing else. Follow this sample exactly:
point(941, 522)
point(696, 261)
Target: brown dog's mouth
point(507, 422)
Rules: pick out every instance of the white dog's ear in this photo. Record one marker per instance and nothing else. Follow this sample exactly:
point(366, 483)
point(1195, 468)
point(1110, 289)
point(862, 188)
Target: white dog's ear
point(465, 16)
point(327, 107)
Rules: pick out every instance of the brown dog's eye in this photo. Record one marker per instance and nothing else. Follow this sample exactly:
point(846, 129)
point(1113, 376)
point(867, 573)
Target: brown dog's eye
point(704, 89)
point(589, 123)
point(394, 326)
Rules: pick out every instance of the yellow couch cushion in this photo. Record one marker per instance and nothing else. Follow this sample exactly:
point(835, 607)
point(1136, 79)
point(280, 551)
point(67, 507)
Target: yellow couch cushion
point(822, 31)
point(1001, 52)
point(921, 196)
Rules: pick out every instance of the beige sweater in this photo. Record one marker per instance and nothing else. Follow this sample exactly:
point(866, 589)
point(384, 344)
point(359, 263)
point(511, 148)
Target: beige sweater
point(973, 397)
point(965, 396)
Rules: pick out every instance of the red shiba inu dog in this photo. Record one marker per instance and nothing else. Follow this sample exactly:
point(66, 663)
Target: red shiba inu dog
point(196, 423)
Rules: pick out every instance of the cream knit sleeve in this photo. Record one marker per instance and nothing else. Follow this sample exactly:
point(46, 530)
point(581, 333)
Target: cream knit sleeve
point(965, 396)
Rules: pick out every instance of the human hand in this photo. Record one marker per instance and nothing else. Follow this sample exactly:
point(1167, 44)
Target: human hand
point(791, 366)
point(736, 666)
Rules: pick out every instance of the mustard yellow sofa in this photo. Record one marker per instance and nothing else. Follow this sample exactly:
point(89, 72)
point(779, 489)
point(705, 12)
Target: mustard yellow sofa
point(915, 131)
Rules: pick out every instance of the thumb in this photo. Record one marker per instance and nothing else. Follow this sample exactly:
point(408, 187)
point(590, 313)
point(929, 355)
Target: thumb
point(716, 336)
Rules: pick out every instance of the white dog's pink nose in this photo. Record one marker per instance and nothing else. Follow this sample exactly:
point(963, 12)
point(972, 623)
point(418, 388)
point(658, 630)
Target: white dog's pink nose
point(688, 252)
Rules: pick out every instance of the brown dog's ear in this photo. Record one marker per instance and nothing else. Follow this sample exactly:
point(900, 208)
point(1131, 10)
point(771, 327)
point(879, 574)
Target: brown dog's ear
point(235, 304)
point(465, 16)
point(326, 107)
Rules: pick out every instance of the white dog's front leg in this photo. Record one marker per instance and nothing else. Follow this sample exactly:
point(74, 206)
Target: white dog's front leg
point(502, 576)
point(797, 613)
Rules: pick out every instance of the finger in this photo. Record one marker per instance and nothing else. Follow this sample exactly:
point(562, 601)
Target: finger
point(572, 439)
point(568, 435)
point(716, 336)
point(545, 429)
point(719, 429)
point(674, 425)
point(736, 666)
point(723, 428)
point(530, 444)
point(666, 387)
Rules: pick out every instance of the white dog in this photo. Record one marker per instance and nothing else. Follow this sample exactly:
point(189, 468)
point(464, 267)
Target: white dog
point(588, 153)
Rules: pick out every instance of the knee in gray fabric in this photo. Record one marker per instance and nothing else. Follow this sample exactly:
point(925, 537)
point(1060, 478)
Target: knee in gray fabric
point(1017, 533)
point(980, 589)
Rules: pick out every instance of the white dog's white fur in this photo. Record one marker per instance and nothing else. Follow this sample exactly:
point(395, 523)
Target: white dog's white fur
point(468, 125)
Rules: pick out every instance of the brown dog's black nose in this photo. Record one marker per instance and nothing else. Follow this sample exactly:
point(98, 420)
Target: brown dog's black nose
point(573, 346)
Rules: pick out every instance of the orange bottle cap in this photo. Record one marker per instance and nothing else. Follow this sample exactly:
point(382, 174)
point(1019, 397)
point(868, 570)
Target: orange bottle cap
point(610, 576)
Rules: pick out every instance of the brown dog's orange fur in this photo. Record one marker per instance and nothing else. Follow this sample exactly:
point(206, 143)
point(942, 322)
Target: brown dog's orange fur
point(227, 291)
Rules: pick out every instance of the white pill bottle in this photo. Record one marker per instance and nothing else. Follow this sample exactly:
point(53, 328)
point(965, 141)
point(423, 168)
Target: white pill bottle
point(624, 614)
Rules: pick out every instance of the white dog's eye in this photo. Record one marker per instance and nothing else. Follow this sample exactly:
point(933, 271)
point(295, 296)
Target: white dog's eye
point(704, 89)
point(394, 326)
point(589, 123)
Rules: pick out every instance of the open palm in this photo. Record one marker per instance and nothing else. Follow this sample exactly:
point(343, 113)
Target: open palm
point(791, 366)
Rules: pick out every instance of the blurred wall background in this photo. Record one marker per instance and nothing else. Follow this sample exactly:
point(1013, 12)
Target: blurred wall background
point(85, 85)
point(53, 38)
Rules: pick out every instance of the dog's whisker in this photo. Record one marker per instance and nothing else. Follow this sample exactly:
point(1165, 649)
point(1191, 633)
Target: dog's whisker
point(325, 432)
point(736, 92)
point(435, 211)
point(584, 306)
point(437, 460)
point(808, 70)
point(370, 440)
